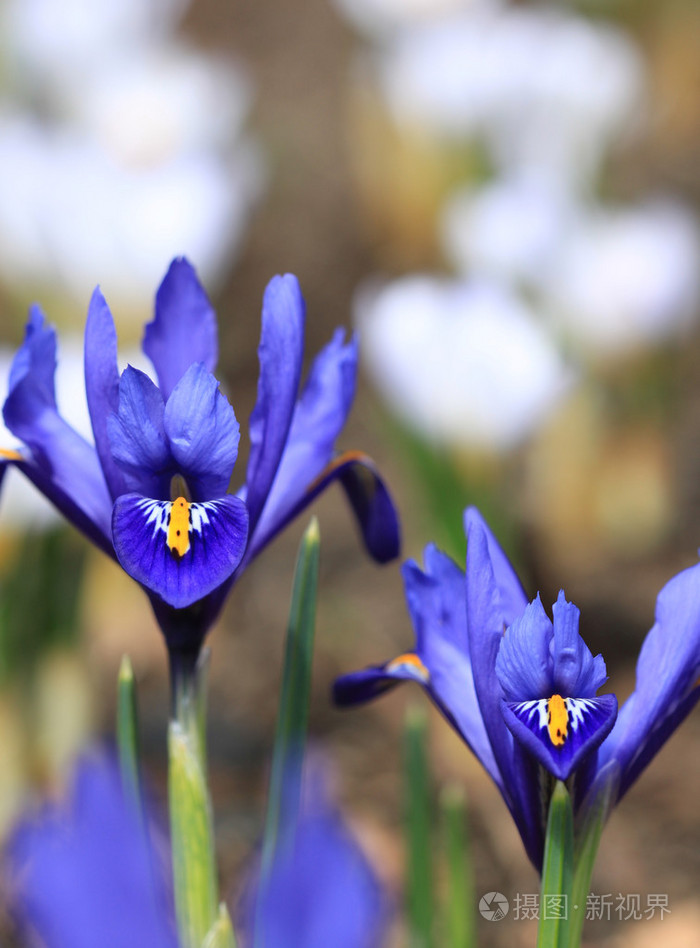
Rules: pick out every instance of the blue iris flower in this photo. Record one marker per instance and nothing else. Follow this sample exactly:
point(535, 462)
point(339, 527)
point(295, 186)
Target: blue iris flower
point(153, 490)
point(522, 690)
point(85, 872)
point(321, 890)
point(88, 872)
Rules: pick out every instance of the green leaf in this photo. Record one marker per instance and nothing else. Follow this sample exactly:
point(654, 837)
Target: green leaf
point(292, 717)
point(194, 869)
point(419, 889)
point(592, 816)
point(221, 933)
point(127, 733)
point(459, 911)
point(557, 872)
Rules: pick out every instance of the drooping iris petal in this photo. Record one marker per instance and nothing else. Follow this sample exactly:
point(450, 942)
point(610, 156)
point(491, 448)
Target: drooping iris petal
point(183, 330)
point(367, 683)
point(560, 731)
point(102, 384)
point(523, 663)
point(62, 465)
point(280, 353)
point(667, 688)
point(576, 671)
point(319, 416)
point(85, 874)
point(65, 503)
point(370, 501)
point(307, 465)
point(203, 433)
point(137, 434)
point(179, 550)
point(440, 662)
point(368, 496)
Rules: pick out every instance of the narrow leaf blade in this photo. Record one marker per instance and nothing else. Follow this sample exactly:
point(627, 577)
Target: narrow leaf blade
point(127, 733)
point(292, 719)
point(419, 889)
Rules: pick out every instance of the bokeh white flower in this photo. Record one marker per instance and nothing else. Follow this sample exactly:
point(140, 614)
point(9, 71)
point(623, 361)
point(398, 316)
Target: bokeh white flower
point(119, 161)
point(509, 228)
point(611, 279)
point(55, 40)
point(379, 19)
point(464, 363)
point(543, 88)
point(627, 278)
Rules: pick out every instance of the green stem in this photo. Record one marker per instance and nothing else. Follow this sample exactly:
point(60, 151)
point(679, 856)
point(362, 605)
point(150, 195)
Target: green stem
point(592, 816)
point(419, 894)
point(200, 917)
point(557, 872)
point(459, 916)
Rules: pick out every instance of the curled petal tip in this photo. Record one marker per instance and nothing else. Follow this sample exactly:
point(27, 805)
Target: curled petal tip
point(371, 503)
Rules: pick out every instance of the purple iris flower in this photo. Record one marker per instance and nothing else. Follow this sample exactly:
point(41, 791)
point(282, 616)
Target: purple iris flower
point(85, 873)
point(153, 490)
point(321, 891)
point(521, 689)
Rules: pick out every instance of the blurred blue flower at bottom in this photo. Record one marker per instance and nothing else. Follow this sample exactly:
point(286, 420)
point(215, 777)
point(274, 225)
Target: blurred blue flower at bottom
point(322, 892)
point(84, 872)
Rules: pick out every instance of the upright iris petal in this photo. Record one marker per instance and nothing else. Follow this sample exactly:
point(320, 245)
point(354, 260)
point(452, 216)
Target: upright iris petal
point(137, 438)
point(183, 330)
point(547, 675)
point(179, 533)
point(202, 432)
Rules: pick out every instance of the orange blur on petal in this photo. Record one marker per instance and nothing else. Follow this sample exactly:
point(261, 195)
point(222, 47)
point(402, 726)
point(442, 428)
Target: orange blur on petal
point(10, 454)
point(408, 658)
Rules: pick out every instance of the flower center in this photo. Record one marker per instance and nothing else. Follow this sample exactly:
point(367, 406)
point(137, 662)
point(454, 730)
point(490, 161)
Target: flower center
point(557, 720)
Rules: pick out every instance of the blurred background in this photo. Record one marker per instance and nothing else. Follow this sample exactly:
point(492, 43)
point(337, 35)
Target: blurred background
point(502, 199)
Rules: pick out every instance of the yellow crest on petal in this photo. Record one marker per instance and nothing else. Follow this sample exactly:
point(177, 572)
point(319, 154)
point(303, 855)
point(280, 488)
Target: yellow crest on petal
point(179, 528)
point(557, 720)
